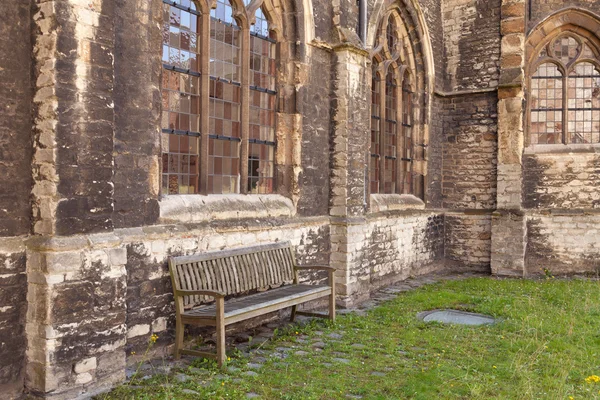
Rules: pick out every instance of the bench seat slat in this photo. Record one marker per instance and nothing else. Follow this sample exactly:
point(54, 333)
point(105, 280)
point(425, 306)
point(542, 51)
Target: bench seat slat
point(250, 303)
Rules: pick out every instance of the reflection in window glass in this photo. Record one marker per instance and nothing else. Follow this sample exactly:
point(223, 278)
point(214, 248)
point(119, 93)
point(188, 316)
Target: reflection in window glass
point(546, 105)
point(391, 136)
point(180, 119)
point(375, 130)
point(584, 104)
point(407, 121)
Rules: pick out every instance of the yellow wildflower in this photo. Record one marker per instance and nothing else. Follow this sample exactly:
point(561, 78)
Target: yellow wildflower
point(153, 338)
point(592, 379)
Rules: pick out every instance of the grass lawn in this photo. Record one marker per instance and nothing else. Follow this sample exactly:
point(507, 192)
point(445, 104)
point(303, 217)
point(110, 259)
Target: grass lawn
point(545, 346)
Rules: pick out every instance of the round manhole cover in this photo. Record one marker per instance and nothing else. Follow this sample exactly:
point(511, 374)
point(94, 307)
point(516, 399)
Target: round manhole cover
point(456, 317)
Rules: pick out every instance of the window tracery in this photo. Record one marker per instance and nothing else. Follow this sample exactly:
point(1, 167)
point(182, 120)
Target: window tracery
point(564, 94)
point(392, 111)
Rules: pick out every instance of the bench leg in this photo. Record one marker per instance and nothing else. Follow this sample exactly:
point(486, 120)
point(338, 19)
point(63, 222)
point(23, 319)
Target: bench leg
point(179, 328)
point(332, 307)
point(293, 316)
point(221, 356)
point(332, 296)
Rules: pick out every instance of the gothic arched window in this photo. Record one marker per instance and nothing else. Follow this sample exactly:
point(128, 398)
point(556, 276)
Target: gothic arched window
point(219, 96)
point(564, 92)
point(392, 111)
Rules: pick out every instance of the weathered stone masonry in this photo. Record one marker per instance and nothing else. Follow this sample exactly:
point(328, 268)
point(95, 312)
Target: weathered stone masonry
point(85, 233)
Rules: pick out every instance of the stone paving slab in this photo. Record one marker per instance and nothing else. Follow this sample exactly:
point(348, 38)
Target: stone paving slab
point(249, 344)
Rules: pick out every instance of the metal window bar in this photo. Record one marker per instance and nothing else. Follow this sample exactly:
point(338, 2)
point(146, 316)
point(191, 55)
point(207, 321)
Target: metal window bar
point(263, 90)
point(218, 78)
point(258, 35)
point(222, 137)
point(180, 132)
point(179, 6)
point(180, 70)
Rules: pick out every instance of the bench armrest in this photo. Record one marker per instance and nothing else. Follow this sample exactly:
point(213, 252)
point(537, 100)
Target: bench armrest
point(315, 267)
point(212, 293)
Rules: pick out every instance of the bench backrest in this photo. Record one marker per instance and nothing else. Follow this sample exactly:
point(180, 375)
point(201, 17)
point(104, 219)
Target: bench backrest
point(233, 271)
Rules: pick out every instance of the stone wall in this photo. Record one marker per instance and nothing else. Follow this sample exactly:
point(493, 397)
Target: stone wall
point(470, 146)
point(137, 68)
point(93, 300)
point(472, 43)
point(540, 9)
point(314, 106)
point(383, 248)
point(563, 243)
point(15, 118)
point(468, 243)
point(13, 305)
point(561, 180)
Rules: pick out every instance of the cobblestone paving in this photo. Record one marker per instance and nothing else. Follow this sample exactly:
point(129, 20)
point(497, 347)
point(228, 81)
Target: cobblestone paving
point(250, 345)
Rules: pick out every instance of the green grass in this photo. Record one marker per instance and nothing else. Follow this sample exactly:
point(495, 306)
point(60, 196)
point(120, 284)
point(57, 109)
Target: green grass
point(546, 344)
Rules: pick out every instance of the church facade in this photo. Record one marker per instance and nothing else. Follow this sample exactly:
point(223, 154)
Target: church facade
point(385, 138)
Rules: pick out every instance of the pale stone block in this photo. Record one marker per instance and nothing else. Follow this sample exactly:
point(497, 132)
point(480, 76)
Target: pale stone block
point(85, 365)
point(118, 256)
point(84, 378)
point(138, 330)
point(159, 325)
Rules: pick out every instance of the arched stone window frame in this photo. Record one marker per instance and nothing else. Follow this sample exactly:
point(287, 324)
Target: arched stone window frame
point(539, 52)
point(409, 160)
point(243, 12)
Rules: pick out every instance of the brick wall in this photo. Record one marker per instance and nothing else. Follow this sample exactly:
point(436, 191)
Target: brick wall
point(469, 155)
point(472, 43)
point(15, 118)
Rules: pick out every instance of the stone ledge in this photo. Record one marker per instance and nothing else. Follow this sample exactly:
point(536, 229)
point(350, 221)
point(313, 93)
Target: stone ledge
point(390, 202)
point(197, 208)
point(562, 148)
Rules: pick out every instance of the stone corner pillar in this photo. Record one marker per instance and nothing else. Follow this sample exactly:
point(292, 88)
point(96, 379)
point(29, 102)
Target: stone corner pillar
point(76, 278)
point(349, 179)
point(508, 223)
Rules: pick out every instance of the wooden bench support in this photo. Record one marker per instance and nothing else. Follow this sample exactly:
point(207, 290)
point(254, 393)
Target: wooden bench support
point(212, 276)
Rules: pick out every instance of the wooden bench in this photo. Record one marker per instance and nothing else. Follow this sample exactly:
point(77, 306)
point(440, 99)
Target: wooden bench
point(270, 270)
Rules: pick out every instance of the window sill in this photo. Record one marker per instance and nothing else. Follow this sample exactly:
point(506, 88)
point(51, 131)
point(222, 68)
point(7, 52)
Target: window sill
point(390, 202)
point(198, 208)
point(562, 148)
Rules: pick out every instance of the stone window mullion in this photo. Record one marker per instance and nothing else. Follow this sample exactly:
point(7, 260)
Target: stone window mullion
point(382, 129)
point(245, 109)
point(400, 136)
point(565, 127)
point(204, 103)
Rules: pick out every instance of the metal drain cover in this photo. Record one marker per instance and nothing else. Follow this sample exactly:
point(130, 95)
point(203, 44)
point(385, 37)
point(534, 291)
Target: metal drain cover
point(456, 317)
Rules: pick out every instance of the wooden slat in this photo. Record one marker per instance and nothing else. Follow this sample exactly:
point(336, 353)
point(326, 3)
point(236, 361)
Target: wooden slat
point(260, 267)
point(289, 259)
point(273, 278)
point(217, 276)
point(260, 300)
point(234, 274)
point(228, 253)
point(252, 272)
point(227, 276)
point(197, 282)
